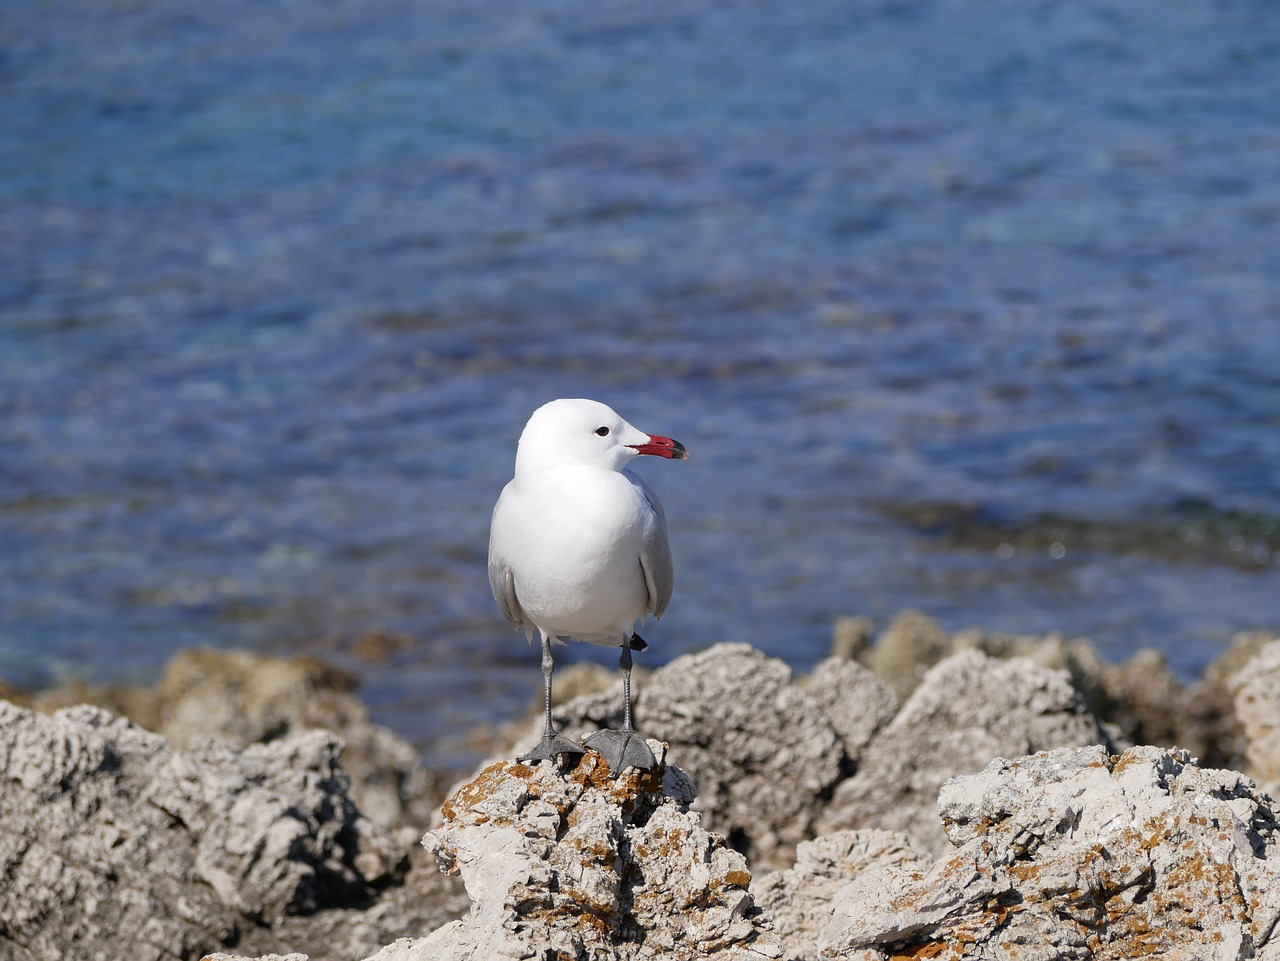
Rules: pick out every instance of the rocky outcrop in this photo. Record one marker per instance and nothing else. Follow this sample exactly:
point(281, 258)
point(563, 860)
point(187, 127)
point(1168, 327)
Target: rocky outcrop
point(580, 864)
point(764, 751)
point(854, 701)
point(1140, 701)
point(969, 709)
point(1076, 853)
point(911, 644)
point(799, 898)
point(115, 845)
point(248, 698)
point(115, 842)
point(1257, 706)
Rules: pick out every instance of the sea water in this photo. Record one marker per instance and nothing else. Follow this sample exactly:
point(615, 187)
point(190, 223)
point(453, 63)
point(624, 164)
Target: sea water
point(967, 308)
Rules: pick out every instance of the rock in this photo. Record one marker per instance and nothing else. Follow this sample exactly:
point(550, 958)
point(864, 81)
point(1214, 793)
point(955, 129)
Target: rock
point(249, 698)
point(909, 646)
point(1147, 704)
point(581, 865)
point(1257, 703)
point(1076, 853)
point(1140, 701)
point(799, 899)
point(113, 844)
point(1211, 708)
point(969, 709)
point(763, 752)
point(857, 704)
point(851, 637)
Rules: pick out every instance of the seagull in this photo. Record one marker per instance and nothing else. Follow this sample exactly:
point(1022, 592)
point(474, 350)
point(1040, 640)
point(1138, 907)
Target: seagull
point(578, 550)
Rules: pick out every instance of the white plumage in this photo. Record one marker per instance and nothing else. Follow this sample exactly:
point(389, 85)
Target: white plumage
point(578, 546)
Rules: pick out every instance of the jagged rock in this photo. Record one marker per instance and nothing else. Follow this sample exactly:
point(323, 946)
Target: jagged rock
point(857, 704)
point(851, 637)
point(969, 709)
point(799, 899)
point(1076, 853)
point(763, 752)
point(1257, 702)
point(911, 644)
point(1141, 700)
point(113, 844)
point(249, 698)
point(582, 865)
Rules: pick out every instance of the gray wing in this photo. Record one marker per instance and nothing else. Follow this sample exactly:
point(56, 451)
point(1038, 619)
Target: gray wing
point(502, 583)
point(655, 558)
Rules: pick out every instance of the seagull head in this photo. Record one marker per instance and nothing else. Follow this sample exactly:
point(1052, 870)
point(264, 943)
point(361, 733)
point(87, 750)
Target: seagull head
point(586, 432)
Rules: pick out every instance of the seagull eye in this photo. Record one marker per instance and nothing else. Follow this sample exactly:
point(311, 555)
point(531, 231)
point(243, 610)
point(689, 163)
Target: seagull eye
point(602, 431)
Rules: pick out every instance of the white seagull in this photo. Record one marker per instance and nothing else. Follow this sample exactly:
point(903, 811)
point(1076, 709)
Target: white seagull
point(578, 549)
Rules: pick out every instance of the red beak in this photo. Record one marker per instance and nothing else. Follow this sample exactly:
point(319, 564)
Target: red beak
point(662, 447)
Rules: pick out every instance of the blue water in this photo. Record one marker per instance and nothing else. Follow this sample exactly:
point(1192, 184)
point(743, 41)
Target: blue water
point(968, 308)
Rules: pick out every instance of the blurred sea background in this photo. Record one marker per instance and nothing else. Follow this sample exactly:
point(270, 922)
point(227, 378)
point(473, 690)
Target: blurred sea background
point(970, 308)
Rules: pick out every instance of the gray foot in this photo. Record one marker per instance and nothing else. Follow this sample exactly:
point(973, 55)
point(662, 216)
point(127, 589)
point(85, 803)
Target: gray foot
point(551, 745)
point(622, 749)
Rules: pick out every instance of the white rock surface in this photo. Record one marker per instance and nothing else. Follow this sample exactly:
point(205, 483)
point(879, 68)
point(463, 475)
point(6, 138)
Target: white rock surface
point(1257, 701)
point(763, 751)
point(1075, 853)
point(582, 865)
point(114, 845)
point(858, 705)
point(968, 709)
point(799, 899)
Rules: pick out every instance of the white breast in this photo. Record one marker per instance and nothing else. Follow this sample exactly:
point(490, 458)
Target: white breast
point(572, 540)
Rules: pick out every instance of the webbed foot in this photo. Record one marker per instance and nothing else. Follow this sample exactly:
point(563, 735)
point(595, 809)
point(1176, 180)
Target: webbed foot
point(622, 749)
point(551, 745)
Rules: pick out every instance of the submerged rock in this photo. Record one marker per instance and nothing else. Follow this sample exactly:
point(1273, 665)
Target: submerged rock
point(582, 865)
point(1076, 853)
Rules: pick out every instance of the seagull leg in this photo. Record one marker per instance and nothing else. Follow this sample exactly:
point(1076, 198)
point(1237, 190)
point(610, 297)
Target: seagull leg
point(624, 748)
point(553, 742)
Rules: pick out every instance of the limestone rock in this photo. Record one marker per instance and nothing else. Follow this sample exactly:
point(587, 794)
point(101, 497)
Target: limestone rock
point(969, 709)
point(115, 845)
point(249, 698)
point(1139, 701)
point(799, 898)
point(909, 646)
point(1076, 853)
point(851, 637)
point(857, 704)
point(763, 752)
point(1257, 703)
point(252, 698)
point(582, 865)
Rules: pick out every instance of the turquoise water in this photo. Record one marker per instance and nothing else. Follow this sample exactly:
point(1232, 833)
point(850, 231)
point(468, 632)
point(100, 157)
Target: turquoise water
point(975, 310)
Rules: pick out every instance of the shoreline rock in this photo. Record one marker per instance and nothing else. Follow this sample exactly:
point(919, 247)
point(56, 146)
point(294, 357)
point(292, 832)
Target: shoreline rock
point(112, 838)
point(1078, 853)
point(247, 698)
point(989, 807)
point(580, 864)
